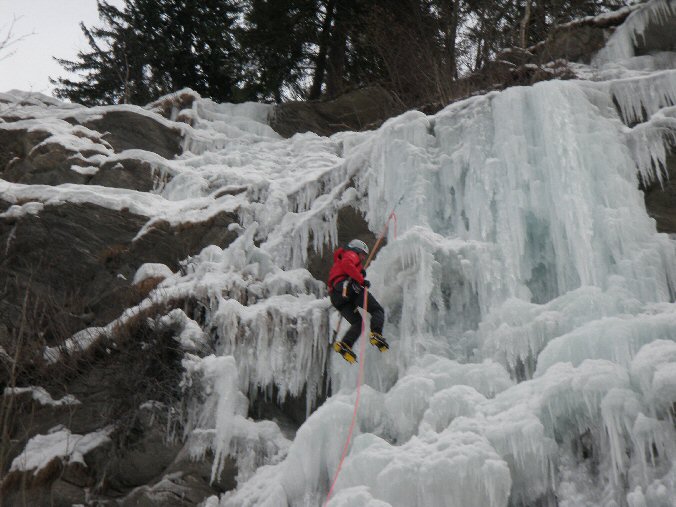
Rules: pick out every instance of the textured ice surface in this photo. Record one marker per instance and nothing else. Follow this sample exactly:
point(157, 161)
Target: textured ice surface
point(523, 239)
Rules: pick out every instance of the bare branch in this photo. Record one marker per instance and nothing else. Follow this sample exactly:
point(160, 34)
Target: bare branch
point(8, 39)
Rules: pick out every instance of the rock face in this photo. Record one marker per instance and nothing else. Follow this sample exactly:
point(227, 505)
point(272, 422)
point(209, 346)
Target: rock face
point(576, 41)
point(29, 158)
point(357, 110)
point(126, 130)
point(128, 172)
point(68, 265)
point(659, 37)
point(39, 250)
point(71, 267)
point(34, 154)
point(130, 389)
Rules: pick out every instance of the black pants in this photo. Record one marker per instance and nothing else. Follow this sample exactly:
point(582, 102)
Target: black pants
point(347, 306)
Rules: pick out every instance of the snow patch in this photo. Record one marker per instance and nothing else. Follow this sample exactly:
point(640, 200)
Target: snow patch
point(61, 444)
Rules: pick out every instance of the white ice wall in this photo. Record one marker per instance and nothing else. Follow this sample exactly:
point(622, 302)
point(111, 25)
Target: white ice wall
point(523, 240)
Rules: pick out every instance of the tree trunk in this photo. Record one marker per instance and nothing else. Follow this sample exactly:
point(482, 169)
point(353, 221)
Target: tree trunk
point(452, 14)
point(524, 26)
point(320, 63)
point(337, 48)
point(539, 20)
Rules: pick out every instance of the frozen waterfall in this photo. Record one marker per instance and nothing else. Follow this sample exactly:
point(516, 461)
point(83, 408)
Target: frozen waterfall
point(529, 299)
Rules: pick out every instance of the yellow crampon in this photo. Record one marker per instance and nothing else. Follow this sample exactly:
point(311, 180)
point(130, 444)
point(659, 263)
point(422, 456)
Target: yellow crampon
point(346, 351)
point(377, 340)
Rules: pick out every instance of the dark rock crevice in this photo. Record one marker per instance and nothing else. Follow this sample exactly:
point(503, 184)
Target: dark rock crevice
point(351, 225)
point(660, 199)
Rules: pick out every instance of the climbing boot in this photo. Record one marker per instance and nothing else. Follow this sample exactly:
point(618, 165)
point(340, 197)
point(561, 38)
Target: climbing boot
point(346, 351)
point(377, 340)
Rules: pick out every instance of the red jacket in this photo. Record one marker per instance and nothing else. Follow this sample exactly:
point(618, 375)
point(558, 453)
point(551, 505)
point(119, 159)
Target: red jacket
point(346, 263)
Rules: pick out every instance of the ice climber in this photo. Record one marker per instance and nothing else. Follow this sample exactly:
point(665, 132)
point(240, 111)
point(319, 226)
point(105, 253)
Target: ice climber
point(347, 287)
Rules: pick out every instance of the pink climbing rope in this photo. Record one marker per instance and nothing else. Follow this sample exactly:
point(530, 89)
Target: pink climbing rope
point(362, 357)
point(360, 375)
point(393, 215)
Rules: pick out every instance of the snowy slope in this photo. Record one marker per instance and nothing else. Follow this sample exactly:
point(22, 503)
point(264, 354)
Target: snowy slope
point(529, 298)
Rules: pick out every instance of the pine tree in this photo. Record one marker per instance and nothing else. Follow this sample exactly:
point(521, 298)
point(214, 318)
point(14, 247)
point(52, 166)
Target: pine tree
point(273, 50)
point(191, 43)
point(280, 37)
point(112, 71)
point(154, 47)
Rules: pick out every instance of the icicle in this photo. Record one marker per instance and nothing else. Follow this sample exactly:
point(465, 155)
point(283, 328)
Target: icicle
point(621, 44)
point(639, 98)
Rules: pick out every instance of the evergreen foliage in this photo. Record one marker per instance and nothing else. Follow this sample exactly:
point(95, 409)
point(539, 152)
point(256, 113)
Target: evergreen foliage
point(190, 43)
point(113, 70)
point(274, 50)
point(154, 47)
point(279, 36)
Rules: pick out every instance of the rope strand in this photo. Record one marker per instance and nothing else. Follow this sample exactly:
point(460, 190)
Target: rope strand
point(360, 376)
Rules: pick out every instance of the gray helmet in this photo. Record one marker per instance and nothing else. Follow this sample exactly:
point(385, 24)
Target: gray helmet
point(358, 246)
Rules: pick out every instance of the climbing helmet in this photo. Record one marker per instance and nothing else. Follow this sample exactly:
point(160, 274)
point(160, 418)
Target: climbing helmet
point(358, 246)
